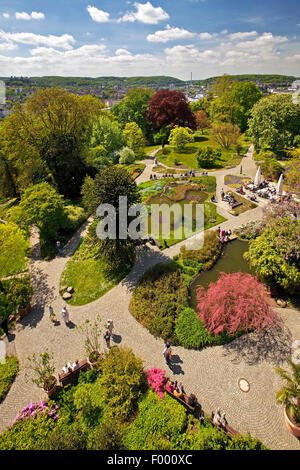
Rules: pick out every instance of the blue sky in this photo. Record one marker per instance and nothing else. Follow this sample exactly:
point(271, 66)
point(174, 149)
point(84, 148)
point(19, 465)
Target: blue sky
point(157, 37)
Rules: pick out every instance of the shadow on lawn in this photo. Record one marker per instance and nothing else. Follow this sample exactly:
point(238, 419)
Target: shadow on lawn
point(272, 344)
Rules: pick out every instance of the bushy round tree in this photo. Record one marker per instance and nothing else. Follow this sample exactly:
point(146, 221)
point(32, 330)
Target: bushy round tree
point(235, 303)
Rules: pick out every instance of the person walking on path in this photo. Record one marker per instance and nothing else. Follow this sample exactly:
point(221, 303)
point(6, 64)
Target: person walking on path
point(65, 315)
point(241, 170)
point(58, 246)
point(110, 326)
point(167, 355)
point(107, 336)
point(51, 314)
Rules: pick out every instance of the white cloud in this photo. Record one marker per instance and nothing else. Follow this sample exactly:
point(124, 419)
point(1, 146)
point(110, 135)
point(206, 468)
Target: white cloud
point(169, 34)
point(8, 46)
point(37, 15)
point(122, 52)
point(32, 16)
point(65, 41)
point(206, 35)
point(146, 13)
point(5, 15)
point(243, 35)
point(97, 15)
point(262, 43)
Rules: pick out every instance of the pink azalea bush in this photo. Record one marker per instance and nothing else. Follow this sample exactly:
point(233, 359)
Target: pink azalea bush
point(34, 409)
point(235, 303)
point(156, 380)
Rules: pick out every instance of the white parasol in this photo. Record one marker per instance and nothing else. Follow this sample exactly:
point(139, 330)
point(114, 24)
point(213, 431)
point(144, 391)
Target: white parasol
point(257, 179)
point(279, 187)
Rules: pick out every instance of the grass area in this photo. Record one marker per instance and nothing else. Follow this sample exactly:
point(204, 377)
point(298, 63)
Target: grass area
point(235, 181)
point(135, 169)
point(188, 158)
point(8, 372)
point(150, 148)
point(88, 276)
point(154, 192)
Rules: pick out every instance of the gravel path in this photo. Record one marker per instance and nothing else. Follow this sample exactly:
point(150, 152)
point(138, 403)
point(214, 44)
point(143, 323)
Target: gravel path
point(212, 374)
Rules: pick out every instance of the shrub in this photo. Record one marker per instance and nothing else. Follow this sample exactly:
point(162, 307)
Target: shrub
point(28, 434)
point(248, 442)
point(16, 292)
point(158, 299)
point(156, 380)
point(122, 381)
point(8, 372)
point(250, 230)
point(271, 168)
point(107, 436)
point(275, 255)
point(67, 436)
point(208, 254)
point(13, 253)
point(127, 156)
point(74, 217)
point(157, 423)
point(190, 331)
point(235, 303)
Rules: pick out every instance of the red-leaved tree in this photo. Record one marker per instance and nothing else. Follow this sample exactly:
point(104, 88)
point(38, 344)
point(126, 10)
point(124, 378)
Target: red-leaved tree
point(236, 302)
point(156, 380)
point(170, 108)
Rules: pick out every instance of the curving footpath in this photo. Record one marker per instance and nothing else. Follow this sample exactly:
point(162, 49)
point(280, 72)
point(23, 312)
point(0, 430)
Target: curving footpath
point(212, 374)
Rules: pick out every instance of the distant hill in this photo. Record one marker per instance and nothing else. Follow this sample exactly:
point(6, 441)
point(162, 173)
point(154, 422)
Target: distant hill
point(156, 81)
point(261, 78)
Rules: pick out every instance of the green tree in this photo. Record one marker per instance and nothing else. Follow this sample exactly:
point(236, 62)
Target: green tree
point(273, 254)
point(134, 108)
point(127, 156)
point(179, 137)
point(207, 157)
point(292, 176)
point(48, 137)
point(225, 135)
point(274, 123)
point(134, 139)
point(107, 188)
point(43, 207)
point(122, 381)
point(108, 133)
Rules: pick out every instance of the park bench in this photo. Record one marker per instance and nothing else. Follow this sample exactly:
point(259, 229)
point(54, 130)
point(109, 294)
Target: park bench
point(183, 401)
point(228, 429)
point(70, 377)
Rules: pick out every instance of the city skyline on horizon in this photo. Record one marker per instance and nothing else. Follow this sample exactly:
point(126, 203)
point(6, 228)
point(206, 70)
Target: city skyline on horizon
point(158, 37)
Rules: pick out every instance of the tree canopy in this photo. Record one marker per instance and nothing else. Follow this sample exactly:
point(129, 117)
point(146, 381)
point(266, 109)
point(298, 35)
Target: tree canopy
point(170, 108)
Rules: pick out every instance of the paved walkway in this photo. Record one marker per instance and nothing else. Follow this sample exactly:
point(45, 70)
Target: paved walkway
point(212, 374)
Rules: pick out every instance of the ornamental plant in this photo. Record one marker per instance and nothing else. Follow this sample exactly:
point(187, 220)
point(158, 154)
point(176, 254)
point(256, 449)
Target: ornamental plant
point(92, 333)
point(43, 368)
point(235, 303)
point(156, 380)
point(34, 410)
point(289, 394)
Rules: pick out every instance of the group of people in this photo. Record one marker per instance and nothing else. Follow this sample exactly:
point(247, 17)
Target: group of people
point(153, 177)
point(64, 314)
point(219, 419)
point(108, 332)
point(224, 235)
point(178, 391)
point(228, 197)
point(70, 367)
point(167, 353)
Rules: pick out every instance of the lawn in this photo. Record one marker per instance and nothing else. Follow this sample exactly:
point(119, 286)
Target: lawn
point(87, 275)
point(150, 148)
point(188, 158)
point(8, 372)
point(135, 169)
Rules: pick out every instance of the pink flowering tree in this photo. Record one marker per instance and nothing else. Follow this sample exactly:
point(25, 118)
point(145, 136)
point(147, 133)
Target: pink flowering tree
point(235, 303)
point(156, 380)
point(34, 410)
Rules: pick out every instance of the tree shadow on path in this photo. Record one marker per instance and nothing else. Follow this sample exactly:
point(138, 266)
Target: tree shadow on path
point(272, 344)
